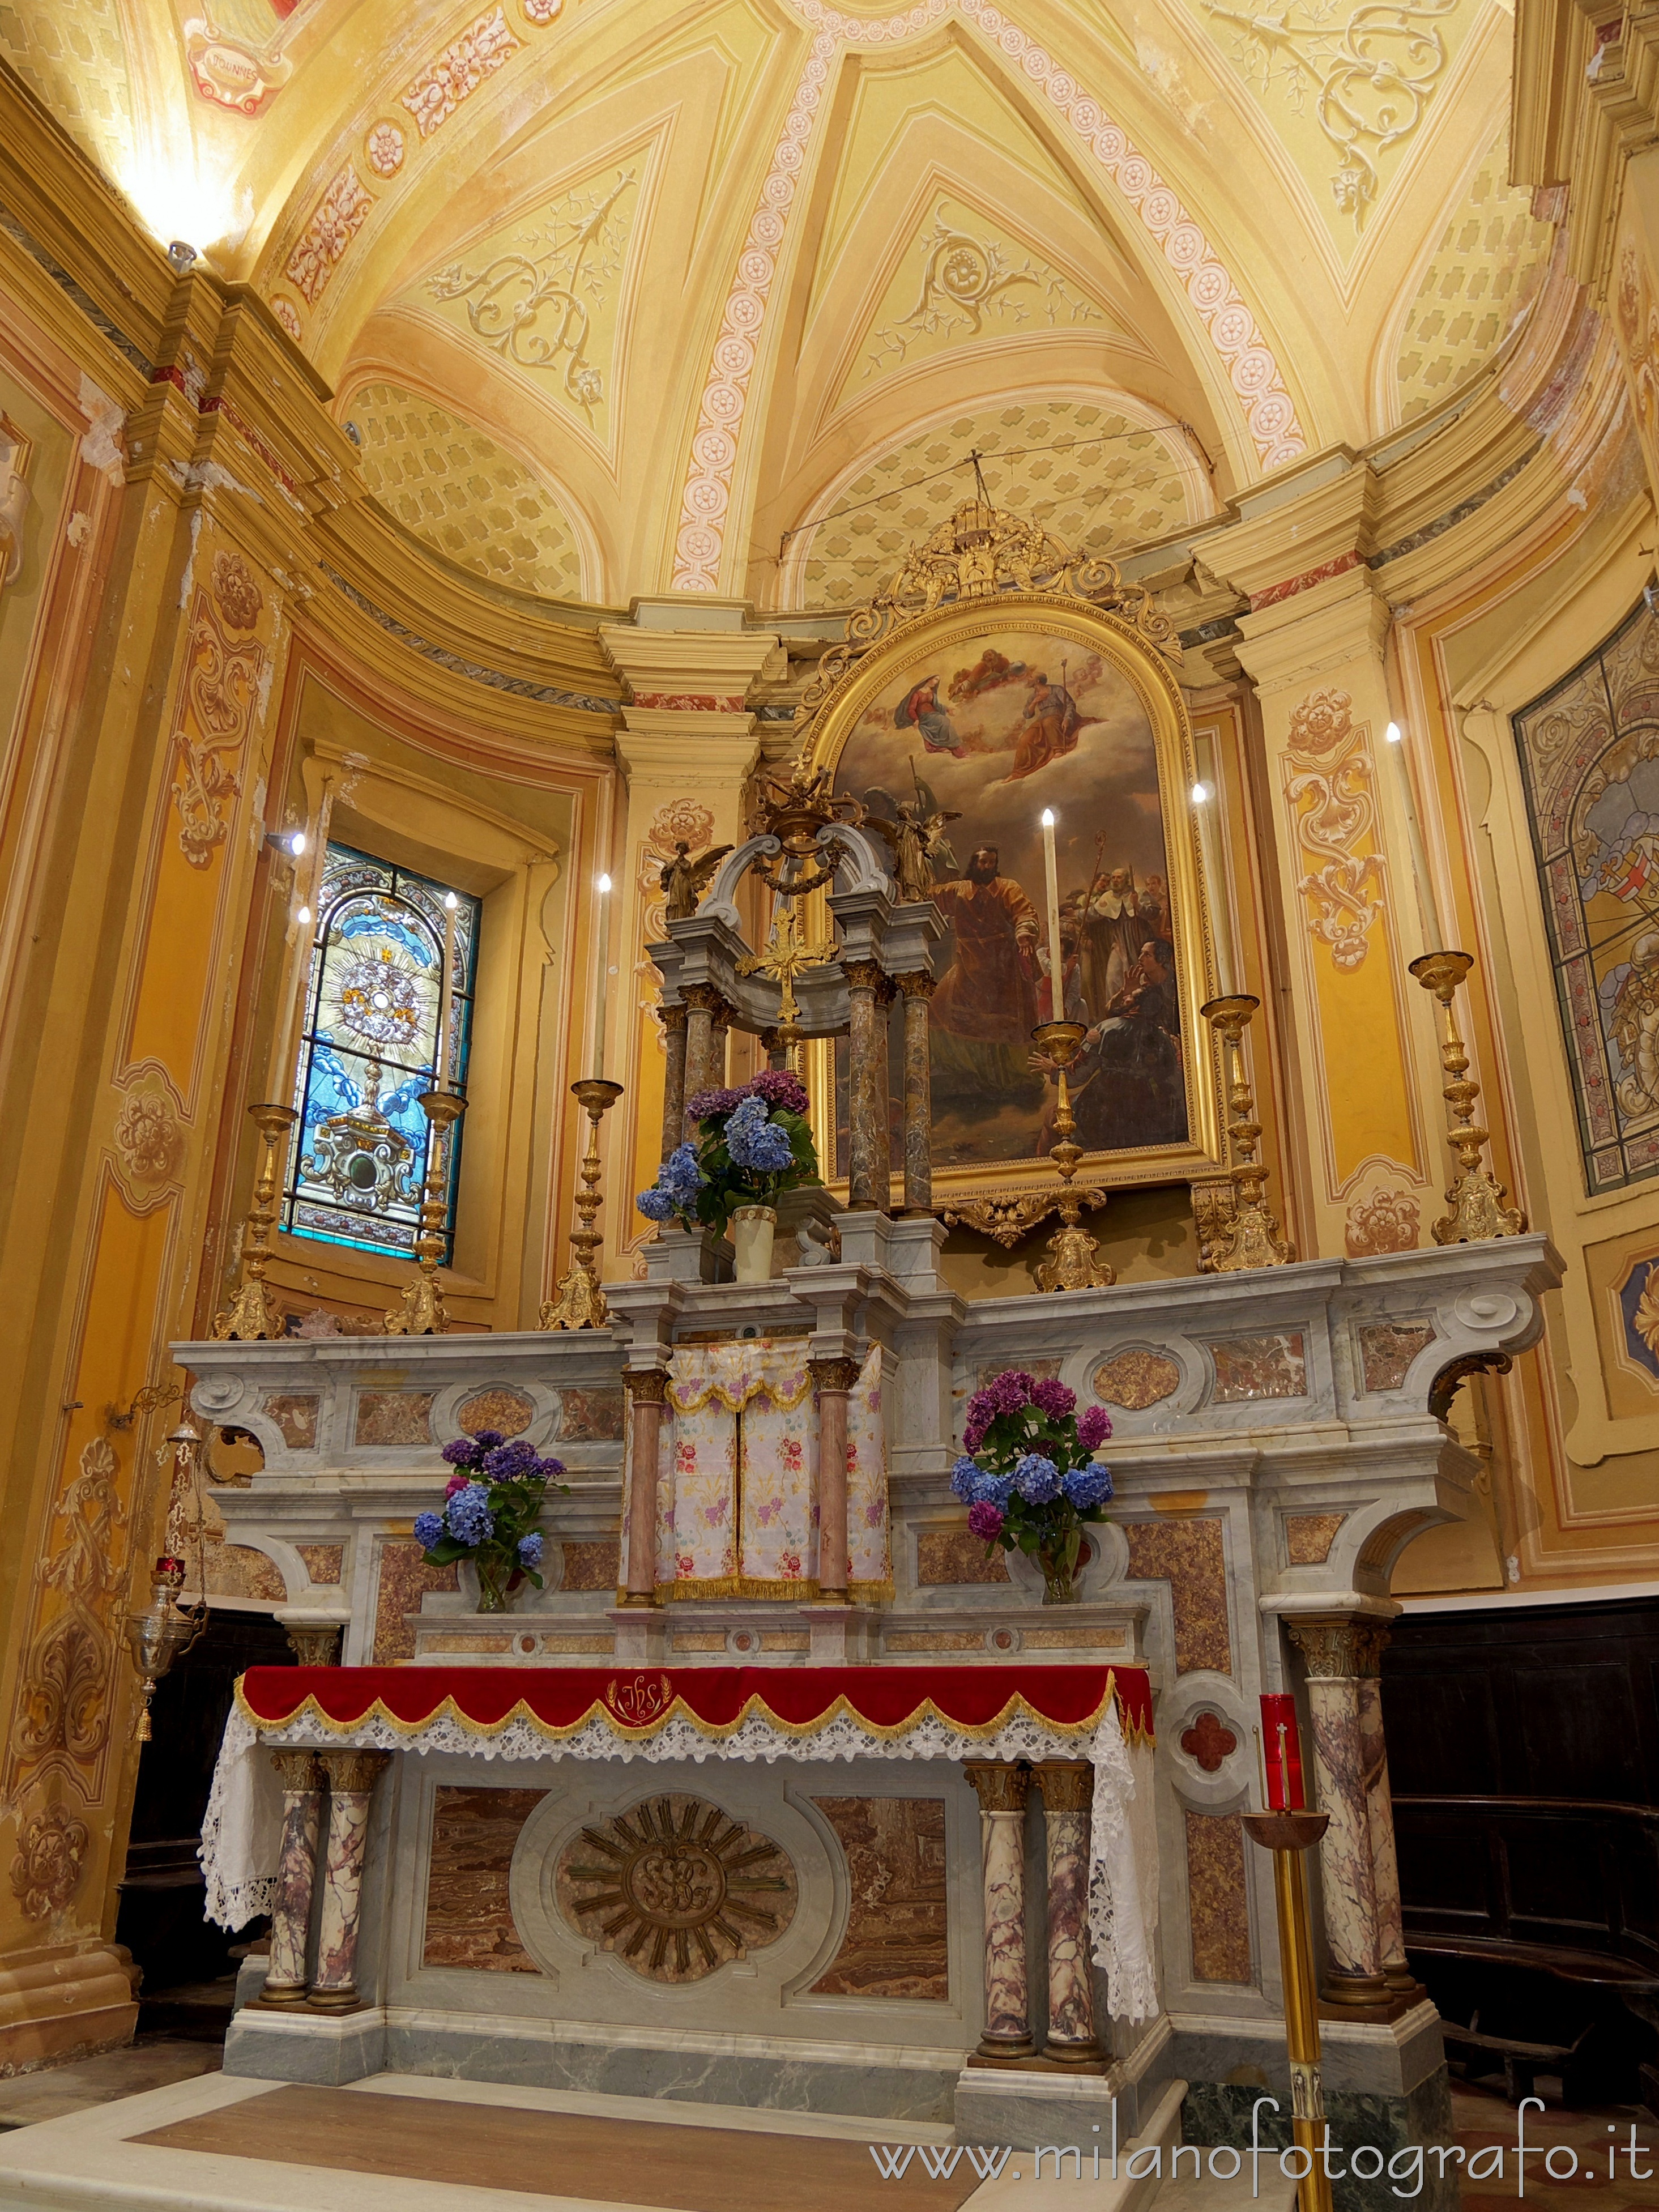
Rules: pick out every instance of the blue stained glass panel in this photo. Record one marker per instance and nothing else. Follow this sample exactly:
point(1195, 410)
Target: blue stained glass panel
point(374, 997)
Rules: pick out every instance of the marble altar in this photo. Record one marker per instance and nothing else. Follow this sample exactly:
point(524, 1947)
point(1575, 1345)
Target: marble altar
point(1280, 1437)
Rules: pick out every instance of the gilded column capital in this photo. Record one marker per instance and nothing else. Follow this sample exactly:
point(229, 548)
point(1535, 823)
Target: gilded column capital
point(646, 1386)
point(673, 1015)
point(1067, 1785)
point(353, 1771)
point(863, 974)
point(706, 998)
point(834, 1373)
point(1344, 1650)
point(915, 983)
point(999, 1787)
point(297, 1770)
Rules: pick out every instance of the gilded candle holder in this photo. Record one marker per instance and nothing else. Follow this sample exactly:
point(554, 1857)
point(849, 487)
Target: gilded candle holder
point(1287, 1836)
point(421, 1312)
point(1476, 1197)
point(1073, 1261)
point(1250, 1237)
point(253, 1313)
point(581, 1303)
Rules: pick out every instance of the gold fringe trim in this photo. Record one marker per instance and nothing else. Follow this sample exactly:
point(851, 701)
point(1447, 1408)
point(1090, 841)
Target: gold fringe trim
point(1016, 1706)
point(711, 1394)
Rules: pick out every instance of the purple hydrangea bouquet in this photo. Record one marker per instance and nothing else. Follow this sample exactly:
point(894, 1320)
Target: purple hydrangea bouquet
point(753, 1142)
point(1028, 1475)
point(490, 1508)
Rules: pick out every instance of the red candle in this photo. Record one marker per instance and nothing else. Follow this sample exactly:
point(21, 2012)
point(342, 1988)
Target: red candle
point(1281, 1752)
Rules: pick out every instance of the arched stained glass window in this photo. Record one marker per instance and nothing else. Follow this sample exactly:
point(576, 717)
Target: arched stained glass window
point(369, 1049)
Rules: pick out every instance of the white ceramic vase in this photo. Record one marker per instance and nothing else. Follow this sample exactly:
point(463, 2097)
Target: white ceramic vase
point(753, 1227)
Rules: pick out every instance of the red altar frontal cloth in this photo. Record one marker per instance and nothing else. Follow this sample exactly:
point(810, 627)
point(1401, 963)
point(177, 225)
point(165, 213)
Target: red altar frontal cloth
point(638, 1701)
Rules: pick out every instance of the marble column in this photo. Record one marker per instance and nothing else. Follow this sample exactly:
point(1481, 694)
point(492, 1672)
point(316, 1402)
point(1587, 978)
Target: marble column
point(648, 1394)
point(297, 1874)
point(702, 1003)
point(1379, 1805)
point(351, 1779)
point(918, 989)
point(833, 1379)
point(1068, 1788)
point(1001, 1791)
point(881, 1090)
point(865, 1193)
point(673, 1079)
point(1335, 1653)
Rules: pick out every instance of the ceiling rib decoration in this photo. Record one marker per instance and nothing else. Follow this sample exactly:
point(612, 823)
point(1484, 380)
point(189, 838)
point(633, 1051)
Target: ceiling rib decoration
point(1252, 371)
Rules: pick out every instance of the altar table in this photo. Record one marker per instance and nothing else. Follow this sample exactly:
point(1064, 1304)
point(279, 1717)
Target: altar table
point(1084, 1731)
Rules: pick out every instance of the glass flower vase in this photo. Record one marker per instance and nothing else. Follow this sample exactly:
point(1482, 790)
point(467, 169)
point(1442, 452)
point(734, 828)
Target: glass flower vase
point(1058, 1581)
point(494, 1584)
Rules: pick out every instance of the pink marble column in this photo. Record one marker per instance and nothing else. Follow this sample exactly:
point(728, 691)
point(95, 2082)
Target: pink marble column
point(351, 1779)
point(918, 989)
point(833, 1379)
point(673, 1080)
point(1379, 1803)
point(1335, 1653)
point(647, 1394)
point(297, 1874)
point(1001, 1791)
point(1067, 1792)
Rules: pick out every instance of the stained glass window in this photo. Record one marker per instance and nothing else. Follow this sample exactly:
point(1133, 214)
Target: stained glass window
point(369, 1049)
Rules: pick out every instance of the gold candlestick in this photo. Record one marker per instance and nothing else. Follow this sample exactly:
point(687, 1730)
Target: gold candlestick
point(1251, 1237)
point(581, 1303)
point(421, 1312)
point(253, 1313)
point(1287, 1835)
point(1476, 1199)
point(1073, 1261)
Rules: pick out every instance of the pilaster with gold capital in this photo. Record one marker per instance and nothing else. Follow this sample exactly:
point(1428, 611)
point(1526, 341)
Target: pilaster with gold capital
point(1312, 644)
point(685, 753)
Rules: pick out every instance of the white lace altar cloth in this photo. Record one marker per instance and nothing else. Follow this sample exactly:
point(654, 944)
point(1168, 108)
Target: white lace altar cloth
point(240, 1834)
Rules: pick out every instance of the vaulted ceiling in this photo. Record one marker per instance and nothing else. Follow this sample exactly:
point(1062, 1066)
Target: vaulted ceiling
point(626, 295)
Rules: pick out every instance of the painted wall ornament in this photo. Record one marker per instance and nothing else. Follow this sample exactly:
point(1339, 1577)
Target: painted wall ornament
point(45, 1868)
point(966, 281)
point(1328, 784)
point(531, 305)
point(994, 676)
point(231, 64)
point(1590, 762)
point(214, 715)
point(148, 1138)
point(62, 1715)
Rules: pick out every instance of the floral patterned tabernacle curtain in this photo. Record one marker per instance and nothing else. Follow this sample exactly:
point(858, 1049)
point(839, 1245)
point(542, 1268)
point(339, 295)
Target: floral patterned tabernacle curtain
point(737, 1479)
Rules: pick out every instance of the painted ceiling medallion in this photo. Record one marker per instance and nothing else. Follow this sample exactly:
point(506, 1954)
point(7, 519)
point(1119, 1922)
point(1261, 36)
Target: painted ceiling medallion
point(676, 1888)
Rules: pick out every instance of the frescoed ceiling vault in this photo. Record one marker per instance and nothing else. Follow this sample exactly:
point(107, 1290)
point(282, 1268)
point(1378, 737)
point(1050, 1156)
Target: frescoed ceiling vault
point(723, 295)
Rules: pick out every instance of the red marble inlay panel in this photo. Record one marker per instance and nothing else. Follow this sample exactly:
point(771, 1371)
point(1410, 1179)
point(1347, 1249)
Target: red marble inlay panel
point(325, 1563)
point(1309, 1537)
point(590, 1417)
point(592, 1566)
point(1189, 1556)
point(1259, 1367)
point(394, 1417)
point(406, 1578)
point(1208, 1741)
point(1216, 1898)
point(954, 1555)
point(468, 1917)
point(296, 1418)
point(897, 1943)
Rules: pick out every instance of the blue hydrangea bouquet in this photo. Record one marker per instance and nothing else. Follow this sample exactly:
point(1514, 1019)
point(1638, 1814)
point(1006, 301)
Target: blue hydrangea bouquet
point(490, 1509)
point(1028, 1476)
point(753, 1142)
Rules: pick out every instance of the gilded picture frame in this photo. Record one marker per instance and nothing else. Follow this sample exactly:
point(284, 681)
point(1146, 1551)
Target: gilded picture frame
point(1063, 731)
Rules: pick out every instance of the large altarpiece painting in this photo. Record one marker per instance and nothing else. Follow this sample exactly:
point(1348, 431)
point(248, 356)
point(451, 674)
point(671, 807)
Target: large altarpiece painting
point(1590, 760)
point(989, 712)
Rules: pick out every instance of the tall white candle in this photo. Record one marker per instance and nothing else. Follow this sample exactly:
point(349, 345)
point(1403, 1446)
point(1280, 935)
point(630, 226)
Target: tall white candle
point(1426, 907)
point(1056, 971)
point(446, 993)
point(602, 934)
point(1205, 808)
point(298, 937)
